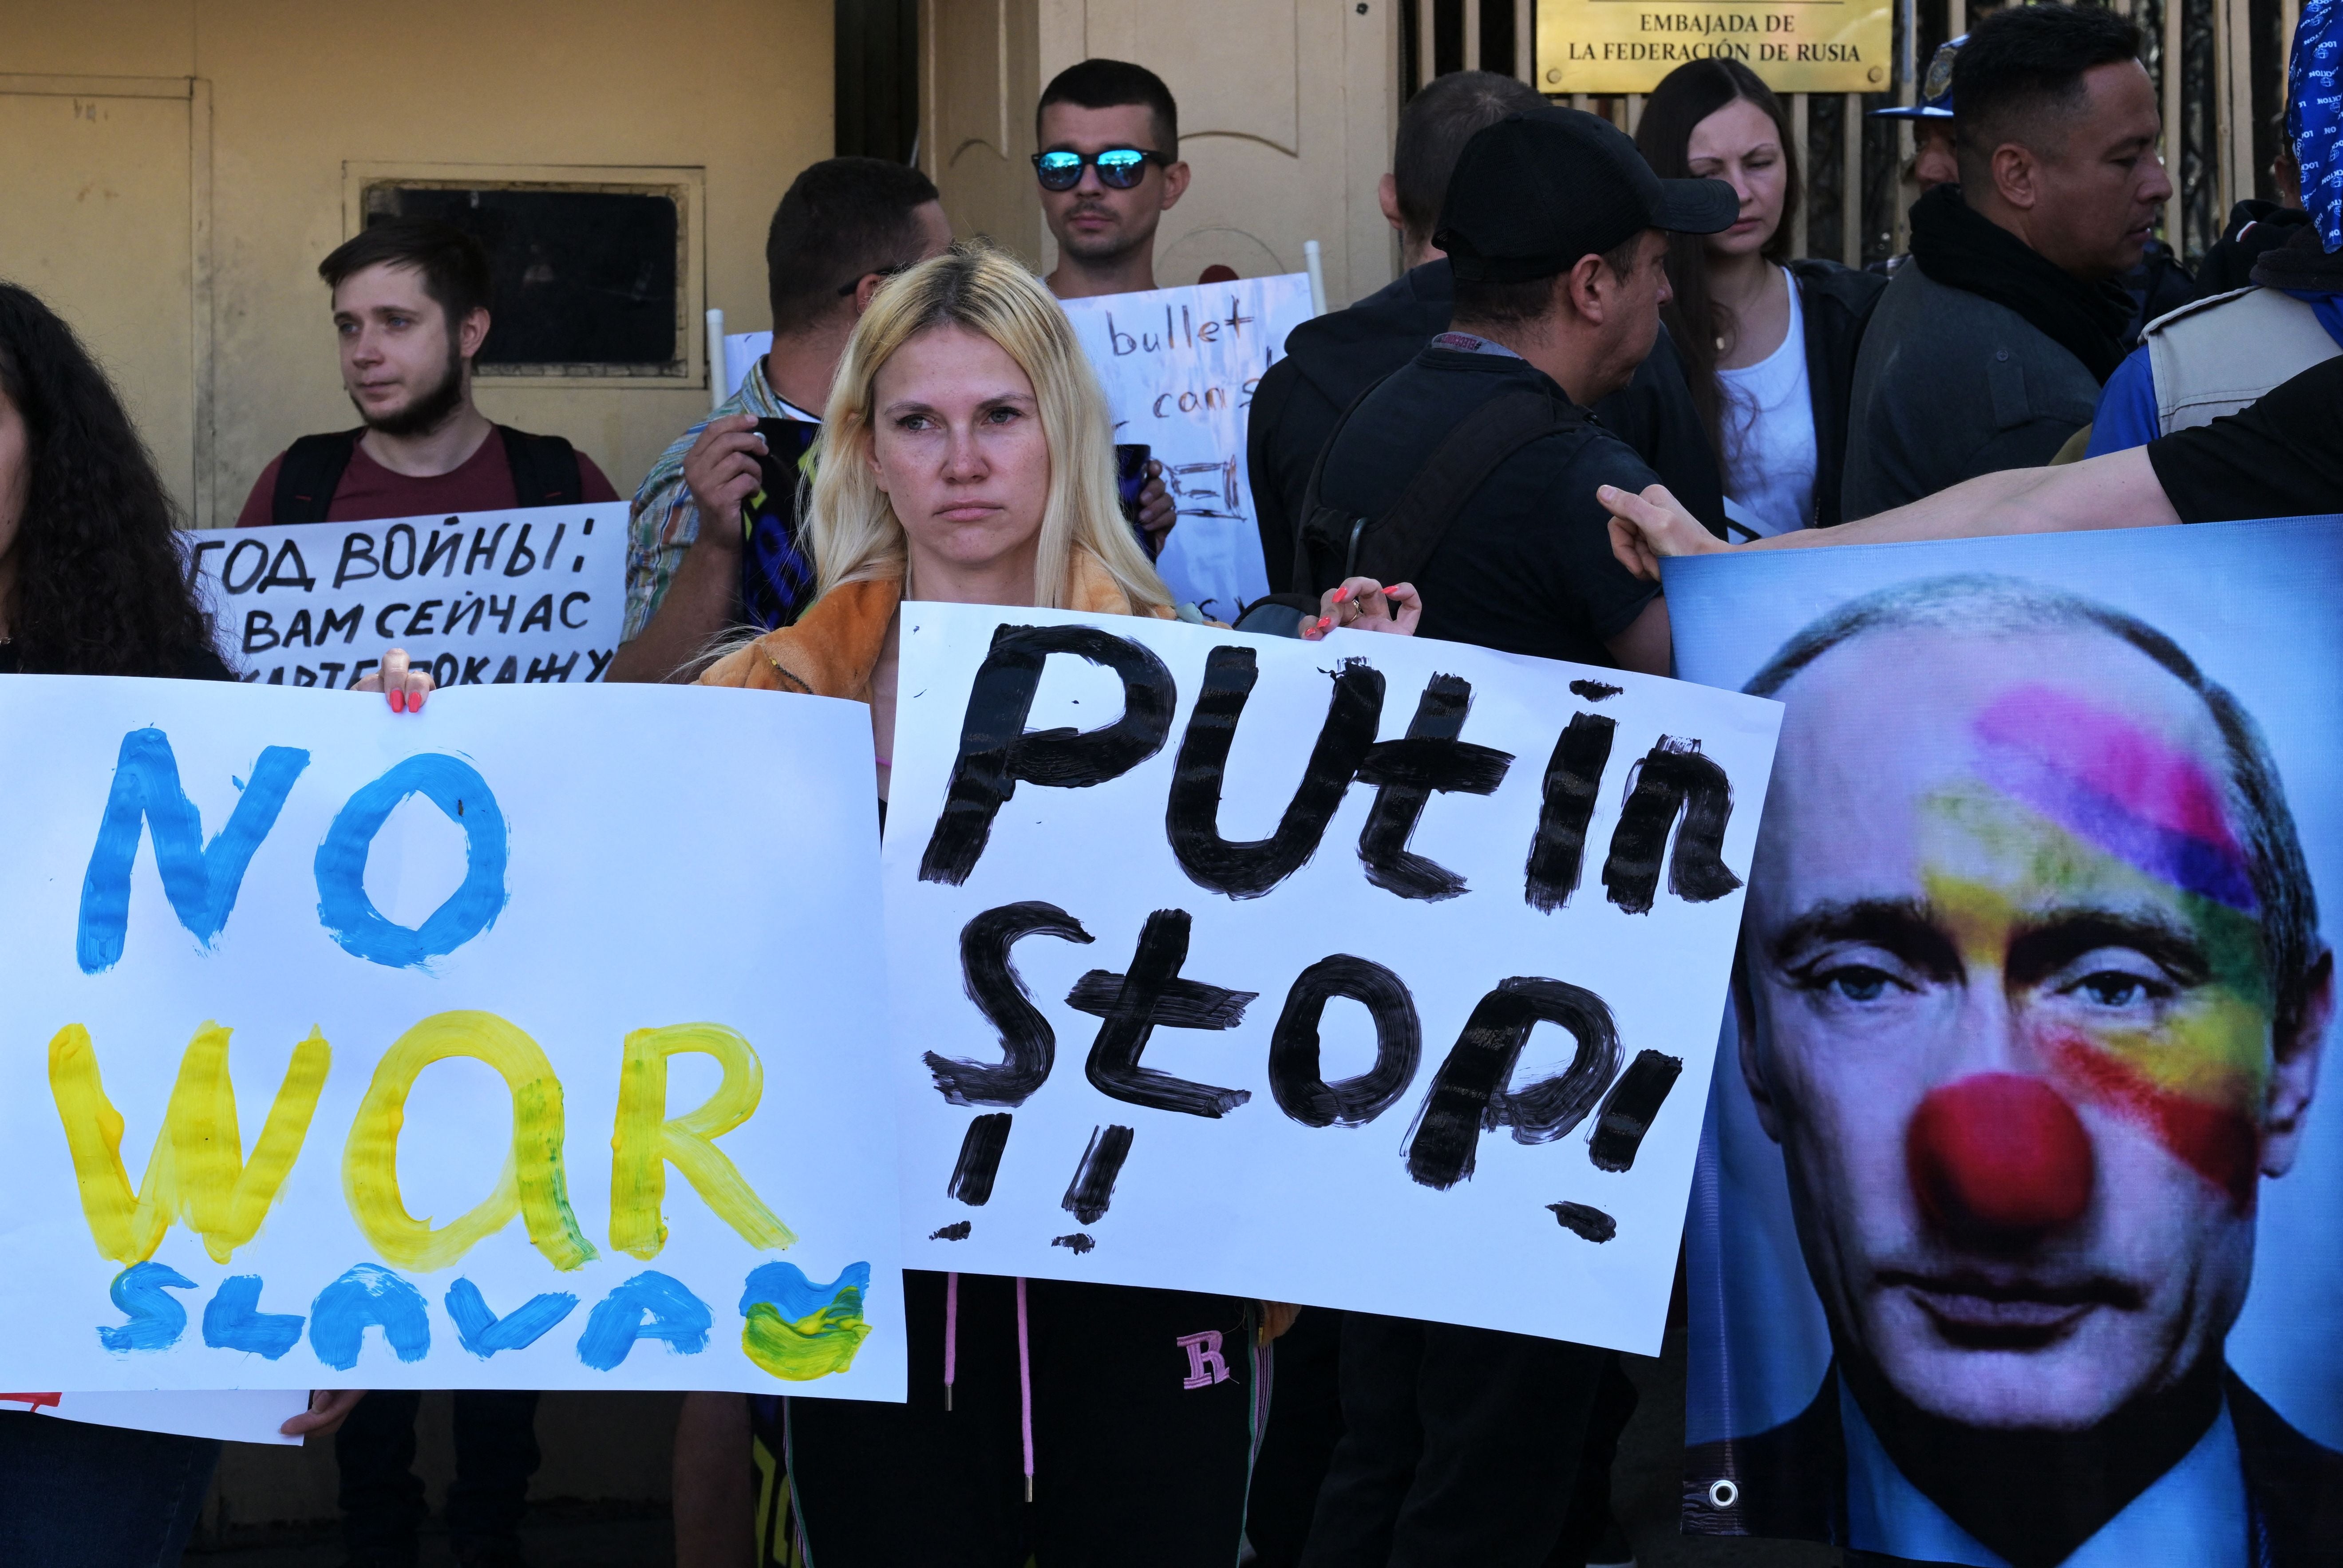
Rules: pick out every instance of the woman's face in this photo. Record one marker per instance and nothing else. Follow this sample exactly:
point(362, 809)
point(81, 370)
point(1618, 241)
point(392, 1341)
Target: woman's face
point(1740, 146)
point(16, 471)
point(957, 445)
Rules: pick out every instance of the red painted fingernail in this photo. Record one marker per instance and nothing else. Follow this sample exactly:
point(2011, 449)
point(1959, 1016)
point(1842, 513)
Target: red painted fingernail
point(1340, 594)
point(397, 701)
point(415, 701)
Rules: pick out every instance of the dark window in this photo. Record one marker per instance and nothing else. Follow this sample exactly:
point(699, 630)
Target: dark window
point(585, 279)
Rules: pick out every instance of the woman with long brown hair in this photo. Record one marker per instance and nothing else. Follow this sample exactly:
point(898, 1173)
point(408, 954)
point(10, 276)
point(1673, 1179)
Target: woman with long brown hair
point(1768, 340)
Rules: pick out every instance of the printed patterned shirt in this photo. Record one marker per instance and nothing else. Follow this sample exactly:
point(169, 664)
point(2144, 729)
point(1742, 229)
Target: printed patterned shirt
point(663, 521)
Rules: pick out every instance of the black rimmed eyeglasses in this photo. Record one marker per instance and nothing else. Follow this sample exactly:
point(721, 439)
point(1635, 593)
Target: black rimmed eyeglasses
point(1119, 168)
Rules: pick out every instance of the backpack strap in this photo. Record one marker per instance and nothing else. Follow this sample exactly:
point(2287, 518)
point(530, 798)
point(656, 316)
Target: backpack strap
point(544, 470)
point(1395, 547)
point(309, 473)
point(1304, 574)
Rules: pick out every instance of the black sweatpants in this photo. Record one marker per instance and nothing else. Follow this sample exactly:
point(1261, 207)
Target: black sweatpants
point(382, 1497)
point(1459, 1445)
point(1143, 1424)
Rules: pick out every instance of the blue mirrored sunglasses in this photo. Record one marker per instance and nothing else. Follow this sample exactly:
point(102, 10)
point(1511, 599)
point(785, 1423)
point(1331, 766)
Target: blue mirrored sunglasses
point(1119, 168)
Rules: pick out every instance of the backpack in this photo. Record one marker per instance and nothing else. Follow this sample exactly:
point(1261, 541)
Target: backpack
point(544, 472)
point(1334, 544)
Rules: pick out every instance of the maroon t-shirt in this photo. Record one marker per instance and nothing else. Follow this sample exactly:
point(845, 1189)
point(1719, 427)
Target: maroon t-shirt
point(483, 482)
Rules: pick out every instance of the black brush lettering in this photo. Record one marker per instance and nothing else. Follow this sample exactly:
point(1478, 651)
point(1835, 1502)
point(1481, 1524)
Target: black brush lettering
point(1629, 1110)
point(1469, 1093)
point(1594, 691)
point(1128, 1007)
point(1249, 868)
point(997, 752)
point(1585, 1222)
point(1076, 1243)
point(1574, 776)
point(1294, 1075)
point(1673, 777)
point(1406, 772)
point(1092, 1188)
point(1029, 1046)
point(958, 1230)
point(980, 1159)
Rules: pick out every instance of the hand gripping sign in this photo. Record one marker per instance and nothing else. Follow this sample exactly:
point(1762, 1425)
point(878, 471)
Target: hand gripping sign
point(1375, 972)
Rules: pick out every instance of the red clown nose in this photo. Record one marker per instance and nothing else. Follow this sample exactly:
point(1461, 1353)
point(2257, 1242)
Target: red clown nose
point(1998, 1158)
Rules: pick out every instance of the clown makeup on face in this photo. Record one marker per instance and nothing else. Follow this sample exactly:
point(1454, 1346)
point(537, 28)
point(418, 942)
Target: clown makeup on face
point(2013, 1021)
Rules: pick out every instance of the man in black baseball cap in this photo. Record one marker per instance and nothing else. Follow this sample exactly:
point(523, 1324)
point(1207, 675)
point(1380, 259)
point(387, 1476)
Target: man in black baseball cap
point(1470, 472)
point(1556, 229)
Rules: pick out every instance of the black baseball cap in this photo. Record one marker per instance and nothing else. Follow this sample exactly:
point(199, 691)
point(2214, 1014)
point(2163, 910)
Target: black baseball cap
point(1539, 189)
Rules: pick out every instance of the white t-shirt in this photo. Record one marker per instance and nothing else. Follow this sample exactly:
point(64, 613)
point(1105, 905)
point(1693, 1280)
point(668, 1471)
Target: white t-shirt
point(1766, 417)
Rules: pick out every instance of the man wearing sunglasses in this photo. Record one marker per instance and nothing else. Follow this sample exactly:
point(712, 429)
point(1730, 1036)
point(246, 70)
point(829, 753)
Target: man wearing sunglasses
point(1109, 170)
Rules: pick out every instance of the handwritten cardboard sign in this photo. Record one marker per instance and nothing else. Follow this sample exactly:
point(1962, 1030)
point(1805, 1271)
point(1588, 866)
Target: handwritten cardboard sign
point(1378, 973)
point(486, 598)
point(1179, 366)
point(346, 1050)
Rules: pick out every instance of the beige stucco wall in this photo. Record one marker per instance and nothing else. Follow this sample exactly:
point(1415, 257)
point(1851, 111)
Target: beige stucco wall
point(287, 92)
point(1286, 110)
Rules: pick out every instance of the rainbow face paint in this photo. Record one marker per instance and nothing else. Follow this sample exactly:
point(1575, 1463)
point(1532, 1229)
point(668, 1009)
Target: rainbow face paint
point(2092, 862)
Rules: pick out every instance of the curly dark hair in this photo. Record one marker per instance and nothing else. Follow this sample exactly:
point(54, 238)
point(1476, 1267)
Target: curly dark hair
point(102, 587)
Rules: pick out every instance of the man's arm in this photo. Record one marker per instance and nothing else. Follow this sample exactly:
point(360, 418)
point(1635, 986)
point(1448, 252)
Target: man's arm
point(2117, 491)
point(1645, 646)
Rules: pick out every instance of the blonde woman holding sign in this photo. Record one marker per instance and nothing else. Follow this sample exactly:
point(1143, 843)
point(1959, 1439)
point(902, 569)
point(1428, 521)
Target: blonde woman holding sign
point(968, 460)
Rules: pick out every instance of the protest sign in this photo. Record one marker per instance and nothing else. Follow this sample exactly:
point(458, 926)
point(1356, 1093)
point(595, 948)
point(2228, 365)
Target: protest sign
point(238, 1415)
point(2015, 1224)
point(486, 598)
point(1794, 46)
point(1343, 973)
point(352, 1049)
point(1179, 366)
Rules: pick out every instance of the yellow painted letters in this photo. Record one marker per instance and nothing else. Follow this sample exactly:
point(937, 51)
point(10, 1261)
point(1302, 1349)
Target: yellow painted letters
point(646, 1141)
point(531, 1184)
point(197, 1172)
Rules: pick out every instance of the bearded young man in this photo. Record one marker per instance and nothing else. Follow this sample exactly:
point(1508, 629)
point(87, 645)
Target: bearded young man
point(411, 305)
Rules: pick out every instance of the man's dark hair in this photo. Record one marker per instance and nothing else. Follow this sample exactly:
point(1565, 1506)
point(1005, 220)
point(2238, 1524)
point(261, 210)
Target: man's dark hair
point(1480, 303)
point(455, 268)
point(1432, 130)
point(2022, 62)
point(2009, 606)
point(840, 221)
point(101, 586)
point(1109, 85)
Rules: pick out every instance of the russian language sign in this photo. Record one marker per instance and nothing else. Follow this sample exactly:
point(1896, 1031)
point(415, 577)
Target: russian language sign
point(1378, 972)
point(351, 1050)
point(2015, 1241)
point(488, 599)
point(1794, 46)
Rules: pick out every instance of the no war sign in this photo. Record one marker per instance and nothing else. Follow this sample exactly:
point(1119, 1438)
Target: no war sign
point(487, 599)
point(346, 1050)
point(1379, 973)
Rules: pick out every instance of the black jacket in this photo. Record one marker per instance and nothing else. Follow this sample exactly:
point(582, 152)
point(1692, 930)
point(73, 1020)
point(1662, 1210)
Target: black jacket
point(1330, 360)
point(1836, 302)
point(1792, 1480)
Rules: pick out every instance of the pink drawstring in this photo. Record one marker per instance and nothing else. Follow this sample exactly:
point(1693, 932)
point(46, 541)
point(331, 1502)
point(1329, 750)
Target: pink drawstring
point(1025, 1388)
point(952, 1334)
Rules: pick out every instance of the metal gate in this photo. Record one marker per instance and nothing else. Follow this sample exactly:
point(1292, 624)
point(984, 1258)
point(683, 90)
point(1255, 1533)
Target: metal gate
point(2222, 102)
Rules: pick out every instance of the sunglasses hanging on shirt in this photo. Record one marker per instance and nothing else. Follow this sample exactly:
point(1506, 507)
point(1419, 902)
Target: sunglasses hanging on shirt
point(1119, 168)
